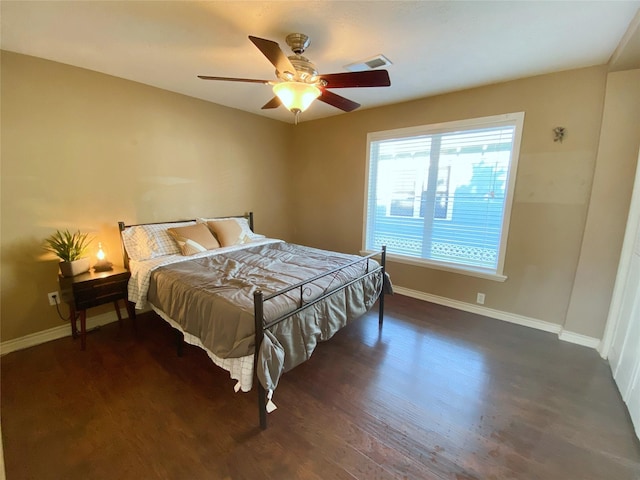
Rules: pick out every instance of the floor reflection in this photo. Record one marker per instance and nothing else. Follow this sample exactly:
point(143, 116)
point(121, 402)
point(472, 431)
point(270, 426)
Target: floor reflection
point(448, 376)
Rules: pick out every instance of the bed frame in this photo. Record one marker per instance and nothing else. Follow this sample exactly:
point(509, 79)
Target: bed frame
point(302, 290)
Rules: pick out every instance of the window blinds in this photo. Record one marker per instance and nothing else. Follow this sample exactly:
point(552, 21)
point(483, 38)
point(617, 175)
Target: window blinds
point(442, 195)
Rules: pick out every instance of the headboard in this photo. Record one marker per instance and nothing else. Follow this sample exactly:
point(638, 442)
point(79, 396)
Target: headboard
point(122, 226)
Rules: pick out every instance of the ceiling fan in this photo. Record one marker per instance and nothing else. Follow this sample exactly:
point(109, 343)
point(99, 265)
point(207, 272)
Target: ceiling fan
point(299, 82)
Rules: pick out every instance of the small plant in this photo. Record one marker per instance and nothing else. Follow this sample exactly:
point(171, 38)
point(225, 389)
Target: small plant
point(68, 246)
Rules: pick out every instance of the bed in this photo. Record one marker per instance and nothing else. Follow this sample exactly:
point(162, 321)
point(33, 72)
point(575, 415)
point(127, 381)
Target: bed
point(258, 306)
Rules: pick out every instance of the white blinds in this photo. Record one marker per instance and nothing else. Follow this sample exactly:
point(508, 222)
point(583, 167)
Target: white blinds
point(442, 196)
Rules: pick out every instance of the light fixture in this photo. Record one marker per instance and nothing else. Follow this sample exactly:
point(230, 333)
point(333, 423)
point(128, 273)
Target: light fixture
point(296, 96)
point(102, 265)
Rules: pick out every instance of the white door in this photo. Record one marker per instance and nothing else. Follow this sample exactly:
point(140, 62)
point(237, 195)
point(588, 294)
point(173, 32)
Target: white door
point(621, 344)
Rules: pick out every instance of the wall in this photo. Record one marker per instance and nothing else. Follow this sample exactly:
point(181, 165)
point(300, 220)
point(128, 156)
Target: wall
point(82, 150)
point(552, 194)
point(609, 204)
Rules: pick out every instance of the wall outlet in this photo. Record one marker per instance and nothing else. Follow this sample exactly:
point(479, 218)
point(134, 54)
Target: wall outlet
point(480, 298)
point(54, 298)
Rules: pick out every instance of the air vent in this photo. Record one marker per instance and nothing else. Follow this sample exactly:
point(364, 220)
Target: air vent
point(369, 64)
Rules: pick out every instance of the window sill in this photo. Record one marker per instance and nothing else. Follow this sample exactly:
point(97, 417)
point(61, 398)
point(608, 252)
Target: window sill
point(469, 271)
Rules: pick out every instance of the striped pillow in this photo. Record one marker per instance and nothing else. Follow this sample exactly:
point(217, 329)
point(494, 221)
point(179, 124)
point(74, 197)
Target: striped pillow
point(150, 241)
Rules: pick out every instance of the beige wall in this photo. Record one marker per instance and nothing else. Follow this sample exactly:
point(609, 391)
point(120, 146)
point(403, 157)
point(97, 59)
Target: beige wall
point(82, 150)
point(609, 204)
point(552, 186)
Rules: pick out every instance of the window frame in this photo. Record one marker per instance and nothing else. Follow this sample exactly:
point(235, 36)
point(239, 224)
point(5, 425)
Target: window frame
point(515, 119)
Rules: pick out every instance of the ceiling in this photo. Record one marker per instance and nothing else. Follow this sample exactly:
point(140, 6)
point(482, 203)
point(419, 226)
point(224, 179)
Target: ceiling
point(435, 46)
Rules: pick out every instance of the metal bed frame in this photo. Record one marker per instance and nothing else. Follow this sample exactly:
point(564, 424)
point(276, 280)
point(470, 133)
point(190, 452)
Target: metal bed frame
point(260, 324)
point(259, 300)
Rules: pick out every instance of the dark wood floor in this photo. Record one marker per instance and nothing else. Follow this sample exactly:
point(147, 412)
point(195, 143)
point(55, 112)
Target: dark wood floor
point(437, 394)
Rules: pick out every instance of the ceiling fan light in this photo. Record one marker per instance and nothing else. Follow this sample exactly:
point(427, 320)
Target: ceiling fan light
point(296, 95)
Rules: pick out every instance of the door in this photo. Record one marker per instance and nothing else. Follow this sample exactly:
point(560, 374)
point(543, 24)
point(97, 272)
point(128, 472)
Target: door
point(622, 336)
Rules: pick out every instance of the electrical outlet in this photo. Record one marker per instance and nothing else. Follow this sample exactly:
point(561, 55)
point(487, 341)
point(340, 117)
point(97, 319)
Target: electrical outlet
point(480, 298)
point(54, 298)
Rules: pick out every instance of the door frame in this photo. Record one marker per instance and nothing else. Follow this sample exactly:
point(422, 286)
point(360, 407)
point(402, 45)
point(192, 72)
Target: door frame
point(633, 223)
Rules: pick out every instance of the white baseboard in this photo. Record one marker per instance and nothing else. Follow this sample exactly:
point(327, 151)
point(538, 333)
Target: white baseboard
point(580, 339)
point(109, 317)
point(564, 335)
point(53, 333)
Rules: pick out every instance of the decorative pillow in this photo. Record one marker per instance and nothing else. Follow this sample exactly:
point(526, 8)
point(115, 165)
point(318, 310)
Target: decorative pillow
point(143, 242)
point(229, 232)
point(194, 238)
point(242, 222)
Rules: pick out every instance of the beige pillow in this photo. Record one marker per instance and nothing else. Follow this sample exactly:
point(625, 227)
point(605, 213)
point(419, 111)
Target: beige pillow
point(243, 222)
point(229, 232)
point(194, 239)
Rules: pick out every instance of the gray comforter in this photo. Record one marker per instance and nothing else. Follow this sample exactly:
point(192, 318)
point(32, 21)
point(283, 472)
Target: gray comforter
point(212, 298)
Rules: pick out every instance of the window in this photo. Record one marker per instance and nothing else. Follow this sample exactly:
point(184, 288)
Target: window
point(441, 195)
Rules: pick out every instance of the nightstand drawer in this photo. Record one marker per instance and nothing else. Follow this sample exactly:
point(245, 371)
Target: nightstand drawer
point(92, 289)
point(98, 286)
point(100, 294)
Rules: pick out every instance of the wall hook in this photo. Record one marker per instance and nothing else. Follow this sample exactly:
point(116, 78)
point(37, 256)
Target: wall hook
point(558, 134)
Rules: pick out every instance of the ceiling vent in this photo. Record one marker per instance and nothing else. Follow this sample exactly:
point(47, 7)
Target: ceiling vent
point(369, 64)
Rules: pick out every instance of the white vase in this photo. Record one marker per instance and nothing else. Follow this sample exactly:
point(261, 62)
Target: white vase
point(71, 269)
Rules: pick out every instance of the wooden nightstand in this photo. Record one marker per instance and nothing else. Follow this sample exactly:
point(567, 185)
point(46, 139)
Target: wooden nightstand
point(92, 289)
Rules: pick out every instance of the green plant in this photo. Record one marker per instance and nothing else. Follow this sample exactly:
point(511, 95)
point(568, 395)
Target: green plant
point(68, 246)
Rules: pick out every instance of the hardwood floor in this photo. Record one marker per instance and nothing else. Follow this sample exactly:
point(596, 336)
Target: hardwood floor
point(437, 394)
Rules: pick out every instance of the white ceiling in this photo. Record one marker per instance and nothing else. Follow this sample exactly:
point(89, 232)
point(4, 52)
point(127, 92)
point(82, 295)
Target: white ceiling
point(435, 46)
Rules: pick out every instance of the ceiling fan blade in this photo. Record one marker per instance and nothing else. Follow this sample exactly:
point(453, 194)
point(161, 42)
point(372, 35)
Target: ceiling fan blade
point(274, 54)
point(232, 79)
point(337, 101)
point(370, 78)
point(273, 103)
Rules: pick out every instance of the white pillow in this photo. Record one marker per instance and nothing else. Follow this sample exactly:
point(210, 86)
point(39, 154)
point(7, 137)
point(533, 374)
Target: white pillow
point(143, 242)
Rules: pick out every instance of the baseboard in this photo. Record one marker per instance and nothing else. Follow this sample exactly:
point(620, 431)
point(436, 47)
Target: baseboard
point(53, 333)
point(563, 335)
point(109, 317)
point(580, 339)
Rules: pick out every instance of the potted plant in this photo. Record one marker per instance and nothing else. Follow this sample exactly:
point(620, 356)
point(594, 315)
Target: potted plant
point(70, 248)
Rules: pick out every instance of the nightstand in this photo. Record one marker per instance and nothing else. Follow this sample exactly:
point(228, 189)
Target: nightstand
point(91, 289)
